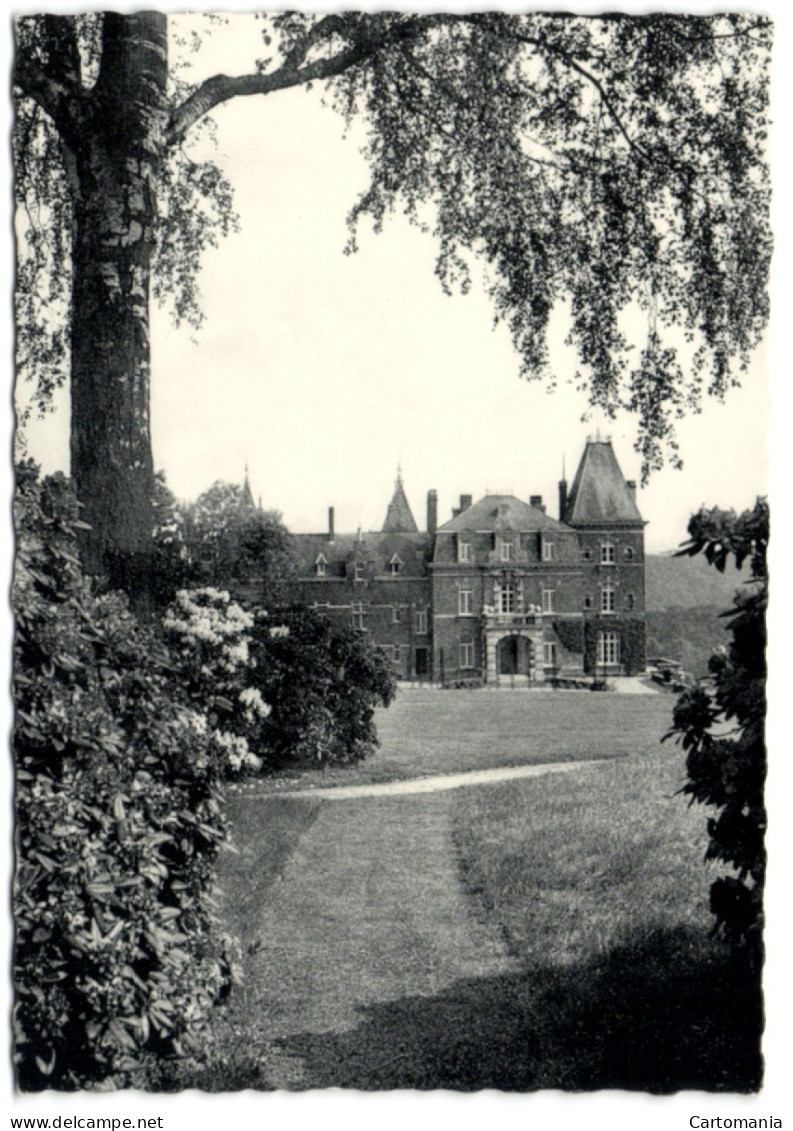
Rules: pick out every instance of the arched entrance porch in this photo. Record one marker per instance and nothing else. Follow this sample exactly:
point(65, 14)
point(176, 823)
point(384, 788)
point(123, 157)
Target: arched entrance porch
point(515, 656)
point(514, 653)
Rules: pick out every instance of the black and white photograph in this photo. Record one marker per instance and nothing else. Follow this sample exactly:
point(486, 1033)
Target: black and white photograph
point(389, 599)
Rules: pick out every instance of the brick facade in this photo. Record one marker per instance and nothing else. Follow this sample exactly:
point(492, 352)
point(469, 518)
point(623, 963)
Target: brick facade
point(502, 590)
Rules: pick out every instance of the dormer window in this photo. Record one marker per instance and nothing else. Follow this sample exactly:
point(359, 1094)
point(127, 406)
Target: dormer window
point(548, 550)
point(395, 565)
point(360, 568)
point(506, 551)
point(464, 550)
point(321, 566)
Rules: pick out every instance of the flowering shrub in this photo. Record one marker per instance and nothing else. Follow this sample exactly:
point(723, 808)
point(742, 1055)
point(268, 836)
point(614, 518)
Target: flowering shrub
point(209, 636)
point(118, 822)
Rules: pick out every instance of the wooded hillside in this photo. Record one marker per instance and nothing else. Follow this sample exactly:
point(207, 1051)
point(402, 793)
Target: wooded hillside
point(687, 583)
point(685, 600)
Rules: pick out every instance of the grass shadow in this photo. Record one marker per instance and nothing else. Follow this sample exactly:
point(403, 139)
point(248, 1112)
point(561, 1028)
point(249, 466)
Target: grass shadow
point(670, 1012)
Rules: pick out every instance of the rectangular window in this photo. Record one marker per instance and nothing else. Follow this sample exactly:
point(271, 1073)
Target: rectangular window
point(507, 599)
point(549, 600)
point(506, 551)
point(396, 614)
point(359, 571)
point(357, 616)
point(548, 551)
point(465, 602)
point(463, 551)
point(607, 554)
point(549, 654)
point(607, 599)
point(421, 622)
point(608, 648)
point(467, 654)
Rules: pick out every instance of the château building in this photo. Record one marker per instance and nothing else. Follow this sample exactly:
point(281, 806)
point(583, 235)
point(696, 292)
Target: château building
point(500, 591)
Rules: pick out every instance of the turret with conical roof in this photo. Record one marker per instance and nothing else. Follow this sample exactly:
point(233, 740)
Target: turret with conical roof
point(399, 517)
point(600, 494)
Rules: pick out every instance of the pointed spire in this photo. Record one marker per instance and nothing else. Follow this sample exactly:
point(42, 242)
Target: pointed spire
point(246, 499)
point(399, 517)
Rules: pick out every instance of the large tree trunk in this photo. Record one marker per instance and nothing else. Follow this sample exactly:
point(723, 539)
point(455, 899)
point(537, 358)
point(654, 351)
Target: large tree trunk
point(117, 165)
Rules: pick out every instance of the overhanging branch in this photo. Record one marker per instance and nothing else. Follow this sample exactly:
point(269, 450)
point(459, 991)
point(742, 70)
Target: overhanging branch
point(295, 71)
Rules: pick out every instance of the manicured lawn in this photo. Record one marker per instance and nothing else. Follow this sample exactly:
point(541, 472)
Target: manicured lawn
point(543, 933)
point(597, 883)
point(427, 732)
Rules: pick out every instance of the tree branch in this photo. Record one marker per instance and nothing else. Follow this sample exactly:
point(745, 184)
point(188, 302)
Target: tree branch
point(295, 71)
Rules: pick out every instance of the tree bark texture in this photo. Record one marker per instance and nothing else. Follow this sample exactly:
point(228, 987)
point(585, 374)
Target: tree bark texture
point(117, 157)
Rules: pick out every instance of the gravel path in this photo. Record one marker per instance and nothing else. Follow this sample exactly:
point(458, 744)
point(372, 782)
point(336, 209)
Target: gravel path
point(439, 782)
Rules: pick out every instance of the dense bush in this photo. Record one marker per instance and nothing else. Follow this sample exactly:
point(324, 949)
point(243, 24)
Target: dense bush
point(322, 683)
point(727, 765)
point(118, 822)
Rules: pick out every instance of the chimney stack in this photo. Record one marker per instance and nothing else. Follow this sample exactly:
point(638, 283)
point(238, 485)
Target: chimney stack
point(536, 501)
point(331, 524)
point(465, 502)
point(562, 498)
point(432, 511)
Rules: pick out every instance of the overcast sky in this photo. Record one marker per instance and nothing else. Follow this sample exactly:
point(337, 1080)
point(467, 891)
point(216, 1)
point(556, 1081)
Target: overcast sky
point(325, 371)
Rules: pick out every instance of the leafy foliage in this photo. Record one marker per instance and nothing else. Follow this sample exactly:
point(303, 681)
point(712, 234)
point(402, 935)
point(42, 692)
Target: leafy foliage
point(603, 163)
point(724, 735)
point(228, 539)
point(118, 823)
point(595, 162)
point(322, 683)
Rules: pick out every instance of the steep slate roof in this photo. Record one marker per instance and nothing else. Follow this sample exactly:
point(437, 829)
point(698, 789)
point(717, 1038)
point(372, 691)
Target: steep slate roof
point(373, 546)
point(501, 512)
point(399, 517)
point(599, 493)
